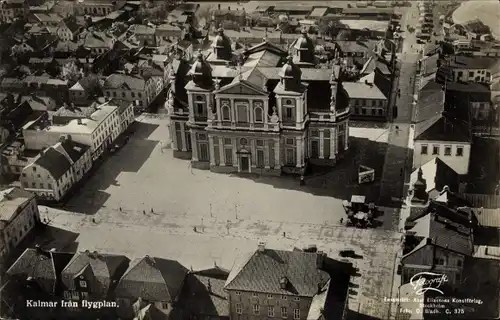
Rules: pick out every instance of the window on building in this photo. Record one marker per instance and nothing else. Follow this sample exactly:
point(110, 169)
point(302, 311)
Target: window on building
point(447, 150)
point(460, 74)
point(132, 94)
point(34, 169)
point(296, 314)
point(242, 113)
point(270, 311)
point(259, 143)
point(289, 113)
point(204, 153)
point(123, 94)
point(460, 151)
point(374, 103)
point(459, 263)
point(260, 158)
point(457, 277)
point(284, 312)
point(283, 297)
point(258, 112)
point(228, 155)
point(228, 142)
point(239, 309)
point(269, 296)
point(83, 284)
point(256, 309)
point(139, 94)
point(254, 294)
point(471, 73)
point(435, 150)
point(237, 293)
point(114, 94)
point(225, 113)
point(33, 185)
point(85, 295)
point(41, 185)
point(296, 299)
point(380, 112)
point(374, 112)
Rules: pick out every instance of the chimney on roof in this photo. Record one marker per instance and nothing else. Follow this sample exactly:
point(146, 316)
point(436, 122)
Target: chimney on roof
point(428, 241)
point(228, 8)
point(261, 247)
point(150, 260)
point(38, 248)
point(218, 6)
point(95, 255)
point(79, 121)
point(283, 283)
point(445, 189)
point(320, 259)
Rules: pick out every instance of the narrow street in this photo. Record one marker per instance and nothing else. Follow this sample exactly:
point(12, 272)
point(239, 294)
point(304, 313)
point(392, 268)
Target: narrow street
point(397, 166)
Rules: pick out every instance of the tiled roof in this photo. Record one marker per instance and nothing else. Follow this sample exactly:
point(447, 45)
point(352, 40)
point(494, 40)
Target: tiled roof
point(73, 112)
point(118, 80)
point(443, 127)
point(54, 162)
point(198, 300)
point(466, 62)
point(357, 90)
point(104, 267)
point(75, 150)
point(98, 40)
point(264, 271)
point(142, 29)
point(43, 266)
point(153, 279)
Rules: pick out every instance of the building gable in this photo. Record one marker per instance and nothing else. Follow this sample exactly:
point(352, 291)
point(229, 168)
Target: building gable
point(241, 88)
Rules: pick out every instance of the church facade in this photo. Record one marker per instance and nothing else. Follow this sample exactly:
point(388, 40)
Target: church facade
point(271, 114)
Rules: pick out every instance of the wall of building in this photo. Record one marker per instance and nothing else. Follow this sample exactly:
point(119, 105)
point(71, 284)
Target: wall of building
point(376, 108)
point(444, 262)
point(474, 75)
point(458, 163)
point(248, 301)
point(21, 224)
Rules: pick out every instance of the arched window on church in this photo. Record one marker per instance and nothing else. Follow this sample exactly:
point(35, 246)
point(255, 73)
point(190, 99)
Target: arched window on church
point(225, 113)
point(258, 114)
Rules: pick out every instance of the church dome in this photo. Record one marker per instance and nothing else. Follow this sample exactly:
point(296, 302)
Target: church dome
point(201, 70)
point(290, 70)
point(221, 40)
point(304, 42)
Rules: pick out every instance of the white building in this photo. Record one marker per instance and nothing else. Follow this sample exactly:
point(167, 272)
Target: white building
point(18, 215)
point(134, 88)
point(96, 131)
point(474, 69)
point(56, 170)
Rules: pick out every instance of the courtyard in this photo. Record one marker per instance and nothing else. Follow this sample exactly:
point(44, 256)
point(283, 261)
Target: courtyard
point(142, 201)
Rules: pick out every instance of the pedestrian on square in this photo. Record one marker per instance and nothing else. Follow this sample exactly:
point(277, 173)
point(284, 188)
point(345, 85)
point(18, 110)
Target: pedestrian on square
point(144, 212)
point(120, 209)
point(152, 211)
point(190, 167)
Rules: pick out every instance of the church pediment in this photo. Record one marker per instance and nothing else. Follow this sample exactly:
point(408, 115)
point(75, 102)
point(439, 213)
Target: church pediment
point(241, 88)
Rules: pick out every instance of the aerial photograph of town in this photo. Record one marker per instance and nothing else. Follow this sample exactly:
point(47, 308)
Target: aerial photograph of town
point(248, 160)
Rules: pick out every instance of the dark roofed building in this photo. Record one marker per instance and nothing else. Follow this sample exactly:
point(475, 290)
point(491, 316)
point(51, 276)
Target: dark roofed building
point(152, 279)
point(40, 267)
point(296, 275)
point(92, 275)
point(203, 295)
point(439, 238)
point(54, 162)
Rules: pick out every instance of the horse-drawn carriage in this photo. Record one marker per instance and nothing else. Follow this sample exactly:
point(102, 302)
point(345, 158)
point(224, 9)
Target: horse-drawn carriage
point(359, 213)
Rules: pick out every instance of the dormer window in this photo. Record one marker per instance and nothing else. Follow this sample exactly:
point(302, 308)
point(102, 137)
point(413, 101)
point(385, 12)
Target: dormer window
point(83, 283)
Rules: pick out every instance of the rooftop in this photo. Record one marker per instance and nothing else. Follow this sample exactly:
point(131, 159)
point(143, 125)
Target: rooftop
point(359, 90)
point(54, 162)
point(124, 81)
point(280, 272)
point(466, 62)
point(10, 200)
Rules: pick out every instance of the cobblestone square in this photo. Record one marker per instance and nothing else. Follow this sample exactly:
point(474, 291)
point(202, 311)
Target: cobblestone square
point(143, 201)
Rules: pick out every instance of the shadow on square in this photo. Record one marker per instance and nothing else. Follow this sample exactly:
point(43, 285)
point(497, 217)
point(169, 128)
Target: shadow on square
point(90, 197)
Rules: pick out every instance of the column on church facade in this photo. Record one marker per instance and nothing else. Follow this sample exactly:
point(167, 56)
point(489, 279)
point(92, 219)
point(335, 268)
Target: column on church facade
point(219, 114)
point(299, 152)
point(221, 152)
point(346, 136)
point(211, 147)
point(277, 157)
point(267, 154)
point(253, 151)
point(173, 134)
point(194, 146)
point(321, 144)
point(333, 139)
point(233, 112)
point(235, 155)
point(183, 146)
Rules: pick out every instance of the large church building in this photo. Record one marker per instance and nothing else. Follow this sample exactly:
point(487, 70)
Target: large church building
point(260, 111)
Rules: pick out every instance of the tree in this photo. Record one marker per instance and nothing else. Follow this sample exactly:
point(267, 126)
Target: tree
point(330, 28)
point(71, 72)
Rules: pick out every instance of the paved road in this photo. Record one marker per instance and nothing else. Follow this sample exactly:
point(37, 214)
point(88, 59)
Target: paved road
point(397, 164)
